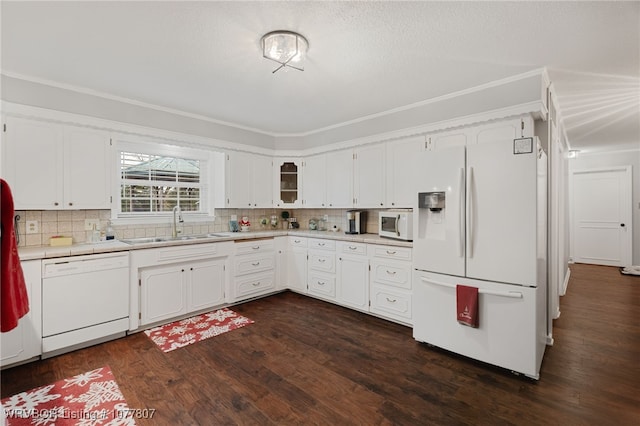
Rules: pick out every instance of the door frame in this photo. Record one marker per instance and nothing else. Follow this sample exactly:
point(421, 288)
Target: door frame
point(627, 255)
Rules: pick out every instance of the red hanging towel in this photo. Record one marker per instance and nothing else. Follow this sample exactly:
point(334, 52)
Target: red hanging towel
point(467, 305)
point(13, 295)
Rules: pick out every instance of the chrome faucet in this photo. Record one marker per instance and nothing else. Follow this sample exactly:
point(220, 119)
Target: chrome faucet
point(177, 218)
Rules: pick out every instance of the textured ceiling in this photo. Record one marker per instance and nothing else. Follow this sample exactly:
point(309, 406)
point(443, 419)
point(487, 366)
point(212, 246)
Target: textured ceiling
point(364, 57)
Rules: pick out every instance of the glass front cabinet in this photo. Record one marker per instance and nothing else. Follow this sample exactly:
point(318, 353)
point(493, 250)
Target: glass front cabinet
point(288, 182)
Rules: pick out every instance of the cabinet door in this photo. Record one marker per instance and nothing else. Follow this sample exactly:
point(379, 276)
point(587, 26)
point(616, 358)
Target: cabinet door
point(86, 169)
point(162, 293)
point(353, 282)
point(237, 185)
point(369, 176)
point(315, 181)
point(339, 178)
point(24, 342)
point(261, 181)
point(288, 183)
point(206, 286)
point(297, 269)
point(402, 171)
point(33, 164)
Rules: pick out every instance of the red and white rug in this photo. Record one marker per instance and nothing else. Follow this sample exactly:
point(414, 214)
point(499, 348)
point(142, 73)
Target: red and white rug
point(92, 398)
point(181, 333)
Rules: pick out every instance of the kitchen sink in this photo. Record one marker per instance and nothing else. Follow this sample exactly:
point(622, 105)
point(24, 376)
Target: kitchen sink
point(147, 240)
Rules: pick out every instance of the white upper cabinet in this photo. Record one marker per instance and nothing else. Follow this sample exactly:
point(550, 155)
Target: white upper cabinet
point(249, 180)
point(369, 176)
point(339, 178)
point(401, 176)
point(52, 166)
point(288, 182)
point(87, 183)
point(315, 181)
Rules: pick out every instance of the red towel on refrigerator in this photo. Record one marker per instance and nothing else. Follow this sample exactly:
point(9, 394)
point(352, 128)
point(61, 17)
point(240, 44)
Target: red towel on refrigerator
point(467, 305)
point(13, 290)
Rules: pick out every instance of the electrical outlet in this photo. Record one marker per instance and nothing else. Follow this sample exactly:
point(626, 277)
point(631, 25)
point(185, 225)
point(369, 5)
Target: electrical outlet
point(89, 223)
point(234, 217)
point(326, 218)
point(32, 227)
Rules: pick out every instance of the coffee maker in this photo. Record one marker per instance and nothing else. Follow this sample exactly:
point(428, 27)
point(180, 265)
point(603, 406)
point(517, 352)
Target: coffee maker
point(356, 222)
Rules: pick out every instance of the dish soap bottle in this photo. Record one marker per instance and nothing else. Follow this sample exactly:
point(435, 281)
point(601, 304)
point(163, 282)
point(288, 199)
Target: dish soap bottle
point(109, 233)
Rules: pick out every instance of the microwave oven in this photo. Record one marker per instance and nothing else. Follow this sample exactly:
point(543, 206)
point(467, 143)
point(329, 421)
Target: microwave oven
point(396, 224)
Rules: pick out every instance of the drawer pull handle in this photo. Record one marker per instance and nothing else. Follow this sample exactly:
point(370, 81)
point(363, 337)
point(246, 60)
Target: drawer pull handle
point(256, 284)
point(296, 241)
point(322, 260)
point(321, 283)
point(256, 264)
point(255, 247)
point(391, 300)
point(353, 248)
point(321, 244)
point(391, 252)
point(391, 272)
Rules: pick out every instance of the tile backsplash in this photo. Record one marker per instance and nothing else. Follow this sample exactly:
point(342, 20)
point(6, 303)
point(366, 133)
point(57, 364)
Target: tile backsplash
point(70, 223)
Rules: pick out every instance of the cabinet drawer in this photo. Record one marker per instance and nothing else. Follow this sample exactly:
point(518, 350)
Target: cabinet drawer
point(321, 261)
point(297, 241)
point(322, 244)
point(394, 274)
point(352, 248)
point(250, 264)
point(254, 285)
point(391, 303)
point(322, 284)
point(390, 252)
point(255, 246)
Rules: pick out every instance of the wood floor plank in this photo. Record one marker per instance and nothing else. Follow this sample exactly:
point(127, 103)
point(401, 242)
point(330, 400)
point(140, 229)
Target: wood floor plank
point(305, 361)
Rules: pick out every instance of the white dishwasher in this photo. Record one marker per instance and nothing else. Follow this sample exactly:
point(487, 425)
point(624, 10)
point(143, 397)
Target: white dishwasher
point(85, 299)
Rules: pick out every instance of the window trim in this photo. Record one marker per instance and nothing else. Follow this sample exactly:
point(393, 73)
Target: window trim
point(155, 147)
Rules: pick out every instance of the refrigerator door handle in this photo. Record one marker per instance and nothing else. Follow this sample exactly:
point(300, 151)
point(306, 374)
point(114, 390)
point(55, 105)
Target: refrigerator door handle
point(510, 294)
point(461, 215)
point(470, 211)
point(397, 221)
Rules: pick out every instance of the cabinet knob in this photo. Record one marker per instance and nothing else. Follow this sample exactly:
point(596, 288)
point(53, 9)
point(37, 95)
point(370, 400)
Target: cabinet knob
point(393, 204)
point(70, 204)
point(622, 225)
point(381, 204)
point(55, 203)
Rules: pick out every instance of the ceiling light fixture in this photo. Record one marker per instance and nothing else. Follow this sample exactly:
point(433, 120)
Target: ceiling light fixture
point(284, 47)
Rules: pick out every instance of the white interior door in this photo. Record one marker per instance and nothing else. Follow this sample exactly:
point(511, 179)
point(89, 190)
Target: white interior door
point(601, 216)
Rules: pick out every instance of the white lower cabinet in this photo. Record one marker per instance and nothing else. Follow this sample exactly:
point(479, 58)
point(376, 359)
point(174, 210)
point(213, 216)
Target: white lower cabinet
point(171, 282)
point(254, 269)
point(171, 291)
point(297, 264)
point(321, 268)
point(25, 341)
point(353, 275)
point(390, 282)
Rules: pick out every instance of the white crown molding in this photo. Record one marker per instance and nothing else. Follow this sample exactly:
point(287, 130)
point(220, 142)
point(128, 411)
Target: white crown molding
point(535, 108)
point(170, 137)
point(496, 83)
point(91, 92)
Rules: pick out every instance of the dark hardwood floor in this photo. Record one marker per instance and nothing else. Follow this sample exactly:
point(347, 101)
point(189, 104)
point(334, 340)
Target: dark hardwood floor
point(309, 362)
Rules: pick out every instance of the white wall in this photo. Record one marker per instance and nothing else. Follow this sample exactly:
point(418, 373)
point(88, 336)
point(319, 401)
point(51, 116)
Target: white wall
point(621, 158)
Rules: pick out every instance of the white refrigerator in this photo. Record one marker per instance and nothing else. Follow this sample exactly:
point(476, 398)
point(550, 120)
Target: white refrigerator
point(480, 221)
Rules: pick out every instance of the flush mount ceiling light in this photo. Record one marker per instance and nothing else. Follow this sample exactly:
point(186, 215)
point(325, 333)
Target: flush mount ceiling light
point(286, 48)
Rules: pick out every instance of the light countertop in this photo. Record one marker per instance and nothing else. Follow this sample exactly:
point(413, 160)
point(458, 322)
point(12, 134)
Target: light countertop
point(46, 252)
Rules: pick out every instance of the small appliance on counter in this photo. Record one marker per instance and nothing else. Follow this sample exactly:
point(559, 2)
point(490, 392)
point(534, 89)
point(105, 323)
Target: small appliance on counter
point(356, 222)
point(396, 224)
